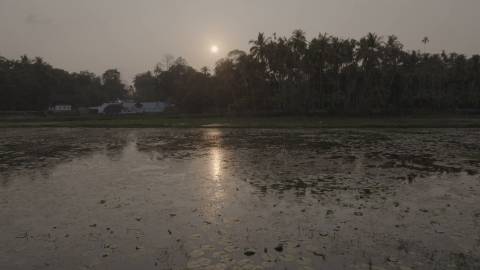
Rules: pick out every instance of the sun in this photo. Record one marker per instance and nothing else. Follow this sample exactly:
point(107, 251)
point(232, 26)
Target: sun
point(214, 49)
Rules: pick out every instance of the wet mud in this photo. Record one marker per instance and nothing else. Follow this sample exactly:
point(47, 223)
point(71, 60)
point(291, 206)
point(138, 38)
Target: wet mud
point(239, 199)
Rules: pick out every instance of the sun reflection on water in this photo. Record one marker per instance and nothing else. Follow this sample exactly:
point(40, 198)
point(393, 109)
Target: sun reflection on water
point(216, 181)
point(216, 156)
point(216, 163)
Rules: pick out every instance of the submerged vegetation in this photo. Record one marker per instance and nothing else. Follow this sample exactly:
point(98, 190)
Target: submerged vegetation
point(279, 75)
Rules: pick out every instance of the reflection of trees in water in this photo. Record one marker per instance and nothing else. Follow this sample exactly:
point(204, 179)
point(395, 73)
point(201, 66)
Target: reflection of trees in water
point(298, 161)
point(274, 159)
point(38, 151)
point(190, 141)
point(281, 169)
point(364, 162)
point(320, 161)
point(174, 143)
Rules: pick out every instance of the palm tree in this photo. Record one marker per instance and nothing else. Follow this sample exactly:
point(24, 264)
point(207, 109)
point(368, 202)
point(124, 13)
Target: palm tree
point(425, 40)
point(258, 49)
point(319, 53)
point(205, 71)
point(298, 42)
point(369, 57)
point(368, 51)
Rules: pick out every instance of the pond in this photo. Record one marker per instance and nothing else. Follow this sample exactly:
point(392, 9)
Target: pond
point(239, 199)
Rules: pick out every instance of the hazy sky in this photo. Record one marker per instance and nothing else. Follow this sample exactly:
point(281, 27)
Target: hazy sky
point(132, 35)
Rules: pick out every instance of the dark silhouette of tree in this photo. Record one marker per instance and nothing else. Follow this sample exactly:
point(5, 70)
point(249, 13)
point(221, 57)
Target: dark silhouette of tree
point(32, 84)
point(278, 75)
point(259, 47)
point(146, 87)
point(112, 87)
point(425, 40)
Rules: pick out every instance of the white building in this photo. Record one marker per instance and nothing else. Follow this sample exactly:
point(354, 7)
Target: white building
point(59, 108)
point(101, 109)
point(152, 107)
point(131, 107)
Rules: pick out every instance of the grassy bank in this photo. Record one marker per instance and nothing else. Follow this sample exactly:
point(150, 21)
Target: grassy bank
point(246, 122)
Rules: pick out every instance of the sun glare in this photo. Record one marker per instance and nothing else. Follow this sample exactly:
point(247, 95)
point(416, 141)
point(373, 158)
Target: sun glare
point(214, 49)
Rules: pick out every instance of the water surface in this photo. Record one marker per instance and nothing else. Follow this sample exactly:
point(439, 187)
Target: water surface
point(239, 199)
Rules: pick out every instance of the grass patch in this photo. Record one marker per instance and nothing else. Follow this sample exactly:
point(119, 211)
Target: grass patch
point(243, 122)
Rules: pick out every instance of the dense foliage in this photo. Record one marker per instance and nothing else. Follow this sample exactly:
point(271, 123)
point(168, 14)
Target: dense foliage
point(33, 85)
point(326, 74)
point(279, 75)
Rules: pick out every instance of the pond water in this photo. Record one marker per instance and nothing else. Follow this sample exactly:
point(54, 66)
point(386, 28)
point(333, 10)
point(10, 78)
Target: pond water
point(239, 199)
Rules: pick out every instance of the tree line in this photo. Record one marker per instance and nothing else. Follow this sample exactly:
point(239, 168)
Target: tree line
point(34, 85)
point(278, 75)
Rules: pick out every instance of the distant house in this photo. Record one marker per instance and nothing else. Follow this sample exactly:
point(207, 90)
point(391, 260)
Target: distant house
point(151, 107)
point(130, 107)
point(113, 109)
point(101, 109)
point(60, 108)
